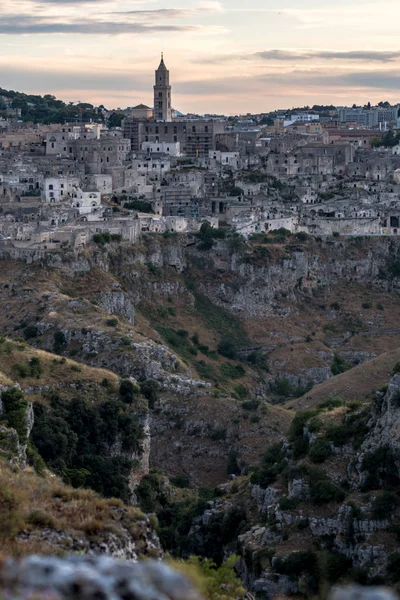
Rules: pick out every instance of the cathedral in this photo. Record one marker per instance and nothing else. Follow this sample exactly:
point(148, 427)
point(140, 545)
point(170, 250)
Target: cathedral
point(162, 94)
point(195, 138)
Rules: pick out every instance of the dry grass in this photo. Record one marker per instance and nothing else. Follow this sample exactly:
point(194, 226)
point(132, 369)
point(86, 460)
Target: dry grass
point(55, 370)
point(30, 503)
point(357, 384)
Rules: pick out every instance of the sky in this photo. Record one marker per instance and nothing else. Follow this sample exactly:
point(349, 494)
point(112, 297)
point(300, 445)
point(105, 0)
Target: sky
point(224, 56)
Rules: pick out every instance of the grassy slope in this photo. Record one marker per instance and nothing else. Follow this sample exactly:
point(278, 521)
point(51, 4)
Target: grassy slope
point(45, 512)
point(359, 383)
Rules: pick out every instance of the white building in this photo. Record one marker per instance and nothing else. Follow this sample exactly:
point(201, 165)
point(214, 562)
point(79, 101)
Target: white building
point(58, 189)
point(230, 159)
point(170, 148)
point(85, 201)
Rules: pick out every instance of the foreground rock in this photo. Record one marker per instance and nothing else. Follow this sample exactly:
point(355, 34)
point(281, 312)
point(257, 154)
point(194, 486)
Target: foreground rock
point(100, 578)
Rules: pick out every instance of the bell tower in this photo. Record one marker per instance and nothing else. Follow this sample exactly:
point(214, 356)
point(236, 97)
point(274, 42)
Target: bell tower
point(162, 94)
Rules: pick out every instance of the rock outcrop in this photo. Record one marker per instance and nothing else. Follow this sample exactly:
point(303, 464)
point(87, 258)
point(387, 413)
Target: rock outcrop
point(93, 577)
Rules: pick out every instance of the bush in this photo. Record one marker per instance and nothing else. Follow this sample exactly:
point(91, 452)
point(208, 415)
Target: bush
point(30, 332)
point(299, 422)
point(251, 404)
point(339, 365)
point(227, 348)
point(59, 342)
point(241, 391)
point(297, 563)
point(338, 434)
point(320, 451)
point(139, 205)
point(232, 371)
point(337, 566)
point(11, 520)
point(181, 481)
point(325, 491)
point(283, 387)
point(112, 322)
point(106, 238)
point(393, 567)
point(396, 369)
point(287, 504)
point(381, 469)
point(127, 391)
point(383, 505)
point(41, 519)
point(75, 438)
point(149, 390)
point(15, 409)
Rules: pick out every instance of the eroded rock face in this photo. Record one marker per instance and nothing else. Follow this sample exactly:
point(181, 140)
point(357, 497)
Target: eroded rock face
point(93, 577)
point(385, 423)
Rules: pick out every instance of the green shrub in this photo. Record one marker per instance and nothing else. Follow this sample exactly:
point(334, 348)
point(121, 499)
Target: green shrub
point(396, 369)
point(320, 451)
point(149, 389)
point(227, 348)
point(393, 567)
point(380, 467)
point(232, 371)
point(241, 390)
point(283, 387)
point(325, 491)
point(139, 205)
point(219, 434)
point(337, 566)
point(366, 305)
point(299, 422)
point(338, 365)
point(112, 322)
point(338, 434)
point(15, 409)
point(287, 504)
point(330, 403)
point(181, 481)
point(251, 404)
point(75, 439)
point(22, 370)
point(11, 521)
point(383, 505)
point(300, 447)
point(297, 563)
point(59, 342)
point(127, 391)
point(30, 332)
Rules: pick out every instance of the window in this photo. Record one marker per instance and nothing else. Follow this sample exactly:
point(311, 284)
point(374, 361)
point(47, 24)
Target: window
point(51, 187)
point(166, 129)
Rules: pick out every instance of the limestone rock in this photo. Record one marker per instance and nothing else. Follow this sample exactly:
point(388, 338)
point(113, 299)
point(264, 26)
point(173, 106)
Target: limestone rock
point(93, 577)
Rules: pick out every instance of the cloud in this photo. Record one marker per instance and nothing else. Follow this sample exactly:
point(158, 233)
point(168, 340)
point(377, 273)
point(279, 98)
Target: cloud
point(358, 55)
point(384, 56)
point(25, 24)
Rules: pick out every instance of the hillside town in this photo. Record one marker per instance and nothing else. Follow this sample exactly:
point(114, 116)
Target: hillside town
point(333, 171)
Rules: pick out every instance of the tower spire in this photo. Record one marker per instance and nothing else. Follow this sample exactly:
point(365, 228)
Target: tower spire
point(162, 93)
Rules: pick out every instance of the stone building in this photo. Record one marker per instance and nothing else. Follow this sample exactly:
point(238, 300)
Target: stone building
point(162, 94)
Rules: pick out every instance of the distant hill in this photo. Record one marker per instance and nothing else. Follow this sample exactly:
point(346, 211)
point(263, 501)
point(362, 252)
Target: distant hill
point(46, 109)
